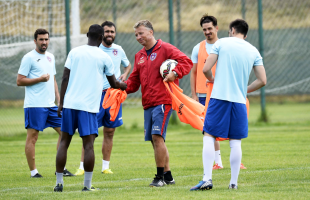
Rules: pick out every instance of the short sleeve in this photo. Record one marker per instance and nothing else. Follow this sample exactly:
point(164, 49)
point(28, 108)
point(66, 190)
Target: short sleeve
point(68, 63)
point(258, 60)
point(216, 47)
point(124, 59)
point(108, 66)
point(54, 67)
point(25, 66)
point(194, 56)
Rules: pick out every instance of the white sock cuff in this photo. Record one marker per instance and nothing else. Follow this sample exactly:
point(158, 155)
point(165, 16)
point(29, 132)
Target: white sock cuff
point(105, 162)
point(235, 143)
point(34, 172)
point(82, 165)
point(208, 140)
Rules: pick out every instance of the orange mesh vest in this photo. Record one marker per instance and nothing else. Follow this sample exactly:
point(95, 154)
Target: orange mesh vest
point(201, 79)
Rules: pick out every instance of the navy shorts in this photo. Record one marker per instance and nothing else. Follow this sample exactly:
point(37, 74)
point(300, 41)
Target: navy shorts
point(202, 100)
point(41, 118)
point(84, 121)
point(156, 121)
point(226, 119)
point(103, 116)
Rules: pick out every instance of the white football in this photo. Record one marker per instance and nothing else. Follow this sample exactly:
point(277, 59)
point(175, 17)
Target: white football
point(167, 66)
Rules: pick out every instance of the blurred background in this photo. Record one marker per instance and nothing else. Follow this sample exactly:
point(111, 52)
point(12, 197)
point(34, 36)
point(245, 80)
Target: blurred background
point(280, 29)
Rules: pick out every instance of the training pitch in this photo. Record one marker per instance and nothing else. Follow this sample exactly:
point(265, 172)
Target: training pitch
point(276, 155)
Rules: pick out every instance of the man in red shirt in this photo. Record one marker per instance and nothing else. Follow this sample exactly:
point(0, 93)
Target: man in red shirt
point(156, 100)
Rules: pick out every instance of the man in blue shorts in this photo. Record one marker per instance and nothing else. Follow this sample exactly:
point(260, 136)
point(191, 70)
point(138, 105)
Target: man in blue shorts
point(227, 114)
point(156, 100)
point(37, 72)
point(118, 56)
point(80, 94)
point(198, 81)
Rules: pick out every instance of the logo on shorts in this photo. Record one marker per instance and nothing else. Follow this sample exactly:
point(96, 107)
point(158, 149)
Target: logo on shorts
point(115, 52)
point(153, 56)
point(49, 59)
point(180, 108)
point(156, 128)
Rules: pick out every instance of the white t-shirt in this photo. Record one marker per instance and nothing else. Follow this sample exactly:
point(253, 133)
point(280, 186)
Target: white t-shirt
point(88, 66)
point(118, 57)
point(34, 65)
point(236, 58)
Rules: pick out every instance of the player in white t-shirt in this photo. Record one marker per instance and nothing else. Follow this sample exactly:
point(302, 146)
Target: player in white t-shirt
point(118, 56)
point(37, 73)
point(227, 114)
point(80, 95)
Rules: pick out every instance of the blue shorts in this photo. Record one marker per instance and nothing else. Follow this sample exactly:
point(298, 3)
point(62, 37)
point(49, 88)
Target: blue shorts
point(226, 119)
point(103, 116)
point(41, 118)
point(202, 100)
point(156, 120)
point(85, 122)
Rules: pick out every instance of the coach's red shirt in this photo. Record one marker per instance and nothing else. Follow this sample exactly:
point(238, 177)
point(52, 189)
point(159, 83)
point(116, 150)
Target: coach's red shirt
point(146, 73)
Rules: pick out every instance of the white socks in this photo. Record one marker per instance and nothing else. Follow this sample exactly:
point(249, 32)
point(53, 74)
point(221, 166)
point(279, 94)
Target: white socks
point(208, 154)
point(105, 164)
point(87, 179)
point(81, 165)
point(59, 178)
point(235, 160)
point(34, 172)
point(218, 159)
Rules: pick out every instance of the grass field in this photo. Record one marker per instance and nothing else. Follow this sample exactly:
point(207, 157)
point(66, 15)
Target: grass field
point(276, 155)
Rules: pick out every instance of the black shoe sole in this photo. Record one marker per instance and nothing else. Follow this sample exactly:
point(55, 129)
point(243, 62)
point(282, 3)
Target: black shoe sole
point(207, 188)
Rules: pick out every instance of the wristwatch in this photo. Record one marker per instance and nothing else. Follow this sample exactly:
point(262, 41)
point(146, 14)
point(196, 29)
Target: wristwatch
point(175, 74)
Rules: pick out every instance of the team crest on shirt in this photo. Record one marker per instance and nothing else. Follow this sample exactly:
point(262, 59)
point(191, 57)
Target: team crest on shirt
point(153, 56)
point(115, 52)
point(49, 59)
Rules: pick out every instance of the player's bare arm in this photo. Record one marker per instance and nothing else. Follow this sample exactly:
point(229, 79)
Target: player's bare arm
point(211, 60)
point(63, 89)
point(261, 80)
point(115, 84)
point(126, 73)
point(24, 81)
point(193, 81)
point(56, 91)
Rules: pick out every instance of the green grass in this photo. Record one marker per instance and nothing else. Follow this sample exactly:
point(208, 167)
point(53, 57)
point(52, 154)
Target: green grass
point(276, 155)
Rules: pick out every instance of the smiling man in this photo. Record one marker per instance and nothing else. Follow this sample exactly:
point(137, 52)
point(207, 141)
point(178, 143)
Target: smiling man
point(156, 100)
point(198, 81)
point(118, 56)
point(37, 72)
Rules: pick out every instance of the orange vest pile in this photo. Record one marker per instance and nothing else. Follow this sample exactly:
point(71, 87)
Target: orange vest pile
point(113, 98)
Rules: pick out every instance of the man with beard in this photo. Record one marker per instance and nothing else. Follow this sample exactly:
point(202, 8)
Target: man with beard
point(37, 73)
point(80, 94)
point(198, 81)
point(227, 113)
point(118, 57)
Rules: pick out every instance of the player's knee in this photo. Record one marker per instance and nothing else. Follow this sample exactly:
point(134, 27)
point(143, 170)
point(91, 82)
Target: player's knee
point(109, 132)
point(88, 147)
point(157, 139)
point(32, 140)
